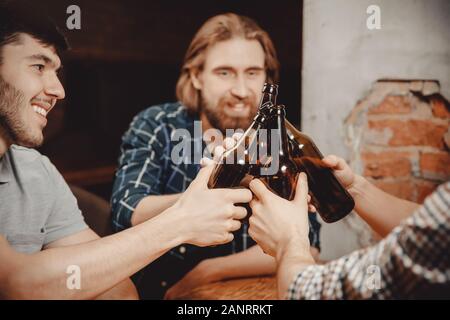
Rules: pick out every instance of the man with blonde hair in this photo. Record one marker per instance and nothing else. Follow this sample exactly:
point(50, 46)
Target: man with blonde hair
point(219, 87)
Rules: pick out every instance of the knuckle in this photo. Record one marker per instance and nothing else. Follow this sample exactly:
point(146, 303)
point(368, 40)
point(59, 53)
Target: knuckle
point(224, 226)
point(225, 237)
point(248, 195)
point(243, 213)
point(227, 196)
point(229, 225)
point(229, 210)
point(251, 233)
point(256, 208)
point(218, 151)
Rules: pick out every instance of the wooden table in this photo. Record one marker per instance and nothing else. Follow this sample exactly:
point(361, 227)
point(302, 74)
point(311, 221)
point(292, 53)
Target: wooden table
point(257, 288)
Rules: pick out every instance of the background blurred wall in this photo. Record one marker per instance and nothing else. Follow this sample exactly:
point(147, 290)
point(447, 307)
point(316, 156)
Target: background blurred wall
point(342, 59)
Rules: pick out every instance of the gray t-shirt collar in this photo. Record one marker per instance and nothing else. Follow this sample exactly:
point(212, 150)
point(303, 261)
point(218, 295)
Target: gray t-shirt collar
point(5, 169)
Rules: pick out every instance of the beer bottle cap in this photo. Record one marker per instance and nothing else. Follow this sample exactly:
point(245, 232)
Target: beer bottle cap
point(278, 110)
point(270, 88)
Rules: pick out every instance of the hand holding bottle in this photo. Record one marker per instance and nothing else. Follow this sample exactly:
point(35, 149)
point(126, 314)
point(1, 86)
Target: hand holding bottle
point(229, 143)
point(341, 170)
point(278, 169)
point(209, 216)
point(276, 222)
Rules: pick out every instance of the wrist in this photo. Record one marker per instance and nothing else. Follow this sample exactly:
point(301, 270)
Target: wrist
point(358, 186)
point(173, 223)
point(212, 269)
point(297, 248)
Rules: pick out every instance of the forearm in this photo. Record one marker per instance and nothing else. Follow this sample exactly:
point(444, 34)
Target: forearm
point(380, 210)
point(123, 291)
point(102, 263)
point(291, 260)
point(151, 206)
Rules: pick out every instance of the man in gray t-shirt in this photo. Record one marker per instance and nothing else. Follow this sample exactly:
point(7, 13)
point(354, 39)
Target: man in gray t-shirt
point(37, 206)
point(46, 249)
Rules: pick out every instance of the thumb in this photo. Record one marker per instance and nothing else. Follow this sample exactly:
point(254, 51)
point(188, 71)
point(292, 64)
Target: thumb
point(259, 189)
point(330, 161)
point(206, 162)
point(204, 174)
point(301, 192)
point(335, 163)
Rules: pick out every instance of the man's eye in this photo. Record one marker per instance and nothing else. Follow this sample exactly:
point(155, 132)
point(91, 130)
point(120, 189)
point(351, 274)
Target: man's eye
point(39, 67)
point(224, 73)
point(252, 73)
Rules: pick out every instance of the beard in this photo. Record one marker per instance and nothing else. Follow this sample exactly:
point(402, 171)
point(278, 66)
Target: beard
point(12, 113)
point(218, 118)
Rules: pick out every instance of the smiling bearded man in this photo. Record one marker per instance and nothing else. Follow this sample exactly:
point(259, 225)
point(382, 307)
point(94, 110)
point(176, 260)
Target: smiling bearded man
point(224, 69)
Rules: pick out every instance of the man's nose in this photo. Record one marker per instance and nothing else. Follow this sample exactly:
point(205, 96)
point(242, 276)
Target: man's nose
point(54, 88)
point(240, 88)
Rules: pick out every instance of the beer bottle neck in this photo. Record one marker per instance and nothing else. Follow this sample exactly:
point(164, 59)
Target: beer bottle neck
point(259, 119)
point(280, 125)
point(267, 100)
point(259, 122)
point(269, 96)
point(295, 134)
point(290, 126)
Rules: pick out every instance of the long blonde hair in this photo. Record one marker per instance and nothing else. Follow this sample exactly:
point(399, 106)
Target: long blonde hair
point(220, 28)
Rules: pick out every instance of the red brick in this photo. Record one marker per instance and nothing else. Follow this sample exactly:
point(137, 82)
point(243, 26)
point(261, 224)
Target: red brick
point(447, 139)
point(386, 164)
point(392, 105)
point(424, 189)
point(401, 189)
point(412, 132)
point(435, 165)
point(440, 108)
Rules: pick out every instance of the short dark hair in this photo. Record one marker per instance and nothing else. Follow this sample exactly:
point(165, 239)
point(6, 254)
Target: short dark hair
point(18, 17)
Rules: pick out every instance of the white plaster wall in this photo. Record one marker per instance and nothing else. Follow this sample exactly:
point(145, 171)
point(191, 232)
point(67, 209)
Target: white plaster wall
point(342, 58)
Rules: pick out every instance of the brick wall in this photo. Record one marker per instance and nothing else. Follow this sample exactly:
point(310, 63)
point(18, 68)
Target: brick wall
point(400, 138)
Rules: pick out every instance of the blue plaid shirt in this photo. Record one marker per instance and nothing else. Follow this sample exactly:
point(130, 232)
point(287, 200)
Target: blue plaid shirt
point(146, 168)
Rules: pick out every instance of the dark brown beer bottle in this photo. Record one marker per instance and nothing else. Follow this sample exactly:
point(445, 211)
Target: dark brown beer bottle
point(236, 163)
point(329, 197)
point(280, 174)
point(236, 167)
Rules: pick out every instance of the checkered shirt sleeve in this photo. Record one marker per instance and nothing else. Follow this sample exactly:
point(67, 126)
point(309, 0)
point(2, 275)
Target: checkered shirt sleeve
point(411, 262)
point(144, 156)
